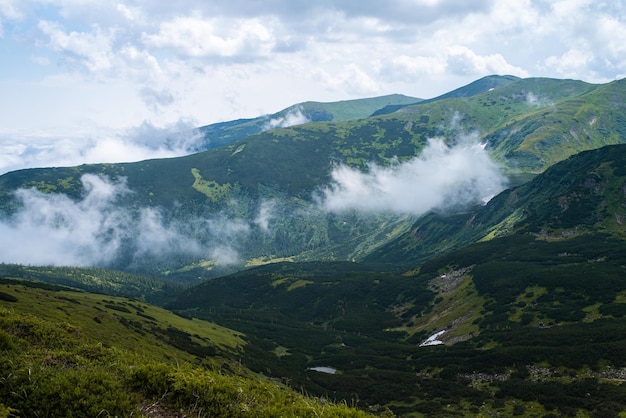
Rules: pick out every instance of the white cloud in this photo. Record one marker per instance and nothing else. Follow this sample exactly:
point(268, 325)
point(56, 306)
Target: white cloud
point(143, 142)
point(410, 67)
point(568, 64)
point(265, 215)
point(463, 60)
point(214, 61)
point(441, 177)
point(200, 37)
point(94, 230)
point(89, 49)
point(9, 9)
point(55, 230)
point(293, 117)
point(351, 79)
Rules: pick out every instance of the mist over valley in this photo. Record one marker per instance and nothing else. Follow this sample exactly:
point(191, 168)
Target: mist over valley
point(456, 255)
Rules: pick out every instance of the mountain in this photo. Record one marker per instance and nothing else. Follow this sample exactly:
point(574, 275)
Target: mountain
point(69, 353)
point(155, 290)
point(223, 133)
point(485, 84)
point(257, 200)
point(530, 320)
point(580, 195)
point(511, 305)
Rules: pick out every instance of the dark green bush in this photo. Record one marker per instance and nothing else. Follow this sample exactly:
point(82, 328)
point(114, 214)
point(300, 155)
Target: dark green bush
point(7, 297)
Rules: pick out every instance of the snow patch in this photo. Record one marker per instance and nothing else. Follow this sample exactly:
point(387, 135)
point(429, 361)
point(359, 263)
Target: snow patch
point(432, 340)
point(323, 369)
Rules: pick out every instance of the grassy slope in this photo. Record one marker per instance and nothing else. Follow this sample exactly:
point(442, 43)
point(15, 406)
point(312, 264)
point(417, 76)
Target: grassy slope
point(297, 160)
point(527, 124)
point(134, 360)
point(511, 308)
point(127, 324)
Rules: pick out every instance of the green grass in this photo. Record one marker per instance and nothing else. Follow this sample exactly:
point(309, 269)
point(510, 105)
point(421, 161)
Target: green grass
point(455, 310)
point(57, 360)
point(128, 324)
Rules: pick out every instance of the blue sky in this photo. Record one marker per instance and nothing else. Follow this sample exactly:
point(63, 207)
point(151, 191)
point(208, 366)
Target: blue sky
point(106, 80)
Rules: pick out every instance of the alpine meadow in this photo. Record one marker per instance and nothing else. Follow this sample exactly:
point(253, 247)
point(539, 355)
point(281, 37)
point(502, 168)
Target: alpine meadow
point(392, 256)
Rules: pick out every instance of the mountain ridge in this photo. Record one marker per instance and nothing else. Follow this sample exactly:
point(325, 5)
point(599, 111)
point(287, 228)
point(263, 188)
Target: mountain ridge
point(526, 125)
point(223, 133)
point(514, 307)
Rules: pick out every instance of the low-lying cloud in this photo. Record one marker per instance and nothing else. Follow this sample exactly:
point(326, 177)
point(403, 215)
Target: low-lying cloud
point(533, 100)
point(293, 117)
point(143, 142)
point(101, 229)
point(441, 177)
point(97, 230)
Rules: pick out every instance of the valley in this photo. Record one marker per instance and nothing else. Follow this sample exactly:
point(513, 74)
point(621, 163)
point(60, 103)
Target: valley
point(458, 256)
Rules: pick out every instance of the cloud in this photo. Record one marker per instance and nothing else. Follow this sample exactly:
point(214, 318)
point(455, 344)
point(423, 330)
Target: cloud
point(537, 100)
point(462, 60)
point(350, 78)
point(206, 37)
point(146, 141)
point(56, 230)
point(98, 230)
point(218, 61)
point(157, 237)
point(155, 99)
point(91, 50)
point(265, 215)
point(441, 177)
point(293, 117)
point(570, 62)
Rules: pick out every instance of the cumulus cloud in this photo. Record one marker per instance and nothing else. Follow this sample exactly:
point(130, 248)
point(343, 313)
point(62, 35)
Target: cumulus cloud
point(157, 98)
point(569, 62)
point(89, 49)
point(441, 177)
point(351, 78)
point(462, 60)
point(97, 230)
point(206, 37)
point(217, 61)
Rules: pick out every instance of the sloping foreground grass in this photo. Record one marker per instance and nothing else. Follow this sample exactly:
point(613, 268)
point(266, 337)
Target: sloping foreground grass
point(124, 323)
point(54, 363)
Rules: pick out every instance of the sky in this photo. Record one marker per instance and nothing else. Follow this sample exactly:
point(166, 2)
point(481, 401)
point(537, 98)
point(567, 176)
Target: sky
point(84, 81)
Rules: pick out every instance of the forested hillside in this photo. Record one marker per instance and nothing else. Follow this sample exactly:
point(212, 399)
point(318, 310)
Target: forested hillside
point(521, 323)
point(458, 256)
point(293, 193)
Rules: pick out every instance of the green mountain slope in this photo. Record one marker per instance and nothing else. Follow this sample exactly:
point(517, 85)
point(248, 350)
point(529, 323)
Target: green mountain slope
point(68, 353)
point(223, 133)
point(580, 195)
point(513, 308)
point(529, 322)
point(482, 85)
point(527, 125)
point(485, 84)
point(154, 290)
